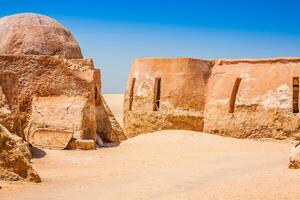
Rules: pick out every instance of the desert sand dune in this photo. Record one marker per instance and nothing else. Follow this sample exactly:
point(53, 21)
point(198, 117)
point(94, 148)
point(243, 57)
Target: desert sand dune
point(163, 165)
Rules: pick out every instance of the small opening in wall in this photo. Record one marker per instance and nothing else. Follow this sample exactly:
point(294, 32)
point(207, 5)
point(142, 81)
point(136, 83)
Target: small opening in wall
point(234, 94)
point(96, 93)
point(131, 93)
point(97, 96)
point(295, 94)
point(157, 91)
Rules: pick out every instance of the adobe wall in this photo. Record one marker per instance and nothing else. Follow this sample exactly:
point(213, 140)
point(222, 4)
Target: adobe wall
point(238, 98)
point(182, 100)
point(51, 94)
point(264, 100)
point(9, 110)
point(45, 76)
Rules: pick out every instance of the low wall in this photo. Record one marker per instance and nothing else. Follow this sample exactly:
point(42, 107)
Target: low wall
point(247, 98)
point(165, 94)
point(263, 104)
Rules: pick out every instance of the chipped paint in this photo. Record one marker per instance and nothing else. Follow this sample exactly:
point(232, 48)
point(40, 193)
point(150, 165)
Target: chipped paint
point(281, 98)
point(144, 89)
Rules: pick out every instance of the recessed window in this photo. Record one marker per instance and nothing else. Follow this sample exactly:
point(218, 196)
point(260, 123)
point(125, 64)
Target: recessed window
point(96, 93)
point(234, 94)
point(131, 92)
point(295, 94)
point(157, 91)
point(97, 96)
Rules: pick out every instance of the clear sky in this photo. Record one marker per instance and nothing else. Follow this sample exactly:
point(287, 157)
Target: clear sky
point(114, 33)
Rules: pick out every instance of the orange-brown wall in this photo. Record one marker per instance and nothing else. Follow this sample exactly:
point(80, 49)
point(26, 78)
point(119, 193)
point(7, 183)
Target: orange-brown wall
point(195, 95)
point(263, 106)
point(48, 76)
point(183, 82)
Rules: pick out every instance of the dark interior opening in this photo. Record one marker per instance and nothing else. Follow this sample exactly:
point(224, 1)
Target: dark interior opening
point(131, 92)
point(295, 94)
point(157, 91)
point(97, 97)
point(234, 94)
point(96, 93)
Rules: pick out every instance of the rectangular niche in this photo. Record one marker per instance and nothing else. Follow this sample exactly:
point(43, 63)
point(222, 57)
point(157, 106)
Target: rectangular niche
point(97, 96)
point(234, 94)
point(157, 93)
point(295, 94)
point(131, 92)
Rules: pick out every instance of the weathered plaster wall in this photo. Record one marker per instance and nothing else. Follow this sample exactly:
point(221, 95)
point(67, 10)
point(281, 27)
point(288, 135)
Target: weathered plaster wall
point(197, 94)
point(263, 106)
point(182, 96)
point(9, 110)
point(55, 120)
point(66, 95)
point(45, 76)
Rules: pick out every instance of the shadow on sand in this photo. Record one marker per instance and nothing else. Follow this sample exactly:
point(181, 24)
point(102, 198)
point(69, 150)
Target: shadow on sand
point(37, 153)
point(110, 144)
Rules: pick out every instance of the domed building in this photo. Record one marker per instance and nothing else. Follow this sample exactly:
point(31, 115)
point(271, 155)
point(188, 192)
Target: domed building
point(49, 94)
point(33, 34)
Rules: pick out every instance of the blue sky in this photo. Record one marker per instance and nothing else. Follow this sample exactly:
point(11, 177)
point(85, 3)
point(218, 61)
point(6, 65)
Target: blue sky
point(114, 33)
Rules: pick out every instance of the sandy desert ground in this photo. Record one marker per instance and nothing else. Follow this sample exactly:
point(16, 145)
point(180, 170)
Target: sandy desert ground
point(163, 165)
